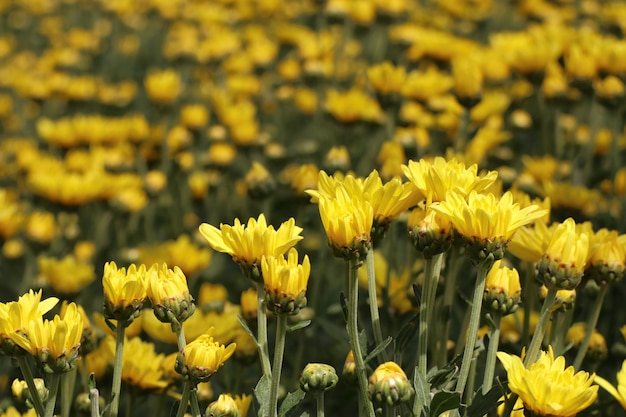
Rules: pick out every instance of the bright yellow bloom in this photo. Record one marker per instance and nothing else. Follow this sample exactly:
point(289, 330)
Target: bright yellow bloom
point(502, 289)
point(247, 244)
point(597, 349)
point(141, 365)
point(619, 391)
point(54, 342)
point(607, 256)
point(434, 179)
point(163, 86)
point(285, 282)
point(101, 359)
point(182, 252)
point(565, 258)
point(486, 220)
point(547, 388)
point(66, 275)
point(348, 221)
point(200, 359)
point(124, 291)
point(243, 403)
point(530, 243)
point(385, 78)
point(12, 412)
point(15, 317)
point(430, 232)
point(169, 294)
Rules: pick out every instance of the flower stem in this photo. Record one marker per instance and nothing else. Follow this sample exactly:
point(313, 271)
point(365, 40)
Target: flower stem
point(53, 387)
point(490, 365)
point(184, 400)
point(320, 404)
point(30, 382)
point(353, 332)
point(94, 397)
point(540, 330)
point(195, 407)
point(449, 292)
point(68, 382)
point(592, 320)
point(279, 350)
point(472, 330)
point(116, 384)
point(262, 331)
point(433, 268)
point(371, 288)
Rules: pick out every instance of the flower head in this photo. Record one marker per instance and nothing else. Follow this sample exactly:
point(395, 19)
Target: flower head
point(547, 388)
point(169, 294)
point(318, 377)
point(485, 222)
point(54, 343)
point(200, 359)
point(389, 384)
point(434, 179)
point(563, 263)
point(141, 366)
point(224, 406)
point(124, 292)
point(285, 282)
point(15, 317)
point(502, 289)
point(247, 244)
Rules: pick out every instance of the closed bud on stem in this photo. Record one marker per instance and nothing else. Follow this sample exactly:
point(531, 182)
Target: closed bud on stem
point(224, 406)
point(169, 294)
point(349, 367)
point(260, 182)
point(563, 301)
point(388, 384)
point(20, 391)
point(430, 233)
point(502, 290)
point(318, 377)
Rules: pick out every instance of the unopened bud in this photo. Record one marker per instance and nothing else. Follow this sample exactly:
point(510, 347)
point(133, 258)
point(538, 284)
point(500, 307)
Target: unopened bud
point(318, 377)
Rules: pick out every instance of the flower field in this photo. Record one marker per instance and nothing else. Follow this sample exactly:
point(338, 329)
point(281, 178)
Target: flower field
point(305, 207)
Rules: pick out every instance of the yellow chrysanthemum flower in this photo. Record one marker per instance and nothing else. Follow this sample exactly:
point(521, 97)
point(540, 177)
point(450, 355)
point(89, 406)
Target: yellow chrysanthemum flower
point(141, 365)
point(389, 384)
point(547, 388)
point(124, 292)
point(502, 289)
point(247, 244)
point(434, 179)
point(200, 359)
point(285, 282)
point(564, 261)
point(224, 406)
point(66, 275)
point(243, 403)
point(169, 294)
point(485, 221)
point(530, 243)
point(607, 256)
point(15, 316)
point(54, 343)
point(348, 221)
point(619, 391)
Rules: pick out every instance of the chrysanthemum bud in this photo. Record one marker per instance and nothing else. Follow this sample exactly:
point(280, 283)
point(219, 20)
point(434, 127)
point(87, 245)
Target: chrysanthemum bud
point(200, 359)
point(225, 406)
point(389, 384)
point(597, 349)
point(318, 377)
point(20, 391)
point(349, 367)
point(285, 282)
point(561, 267)
point(563, 301)
point(430, 233)
point(169, 294)
point(502, 290)
point(260, 182)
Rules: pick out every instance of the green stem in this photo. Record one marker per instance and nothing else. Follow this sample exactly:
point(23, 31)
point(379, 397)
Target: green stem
point(320, 404)
point(116, 384)
point(68, 382)
point(371, 288)
point(472, 331)
point(53, 389)
point(94, 397)
point(180, 337)
point(195, 407)
point(262, 331)
point(279, 350)
point(30, 382)
point(528, 300)
point(592, 321)
point(433, 268)
point(184, 400)
point(540, 330)
point(449, 291)
point(490, 366)
point(353, 332)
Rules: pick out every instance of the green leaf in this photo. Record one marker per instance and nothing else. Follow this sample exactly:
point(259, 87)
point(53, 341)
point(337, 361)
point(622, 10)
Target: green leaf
point(406, 333)
point(485, 403)
point(383, 345)
point(444, 401)
point(291, 400)
point(422, 393)
point(441, 377)
point(262, 395)
point(299, 325)
point(246, 328)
